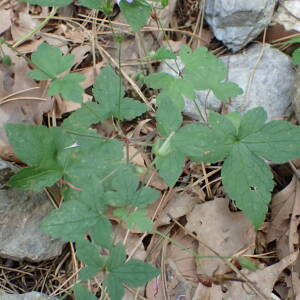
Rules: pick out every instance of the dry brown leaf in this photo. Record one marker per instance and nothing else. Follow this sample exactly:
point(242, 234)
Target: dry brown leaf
point(23, 22)
point(20, 107)
point(285, 211)
point(222, 230)
point(264, 280)
point(5, 19)
point(181, 271)
point(179, 205)
point(208, 293)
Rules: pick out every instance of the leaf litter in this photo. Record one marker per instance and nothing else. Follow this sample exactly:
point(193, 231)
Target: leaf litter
point(213, 222)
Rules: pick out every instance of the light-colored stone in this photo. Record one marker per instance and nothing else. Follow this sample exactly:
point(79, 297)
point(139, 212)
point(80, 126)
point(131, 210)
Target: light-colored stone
point(27, 296)
point(238, 22)
point(266, 76)
point(21, 213)
point(288, 14)
point(296, 96)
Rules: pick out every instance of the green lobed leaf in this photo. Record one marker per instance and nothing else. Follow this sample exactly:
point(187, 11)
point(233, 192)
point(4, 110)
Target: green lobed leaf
point(102, 233)
point(35, 178)
point(168, 115)
point(130, 109)
point(170, 166)
point(205, 144)
point(77, 215)
point(124, 190)
point(81, 293)
point(88, 272)
point(68, 87)
point(136, 218)
point(82, 118)
point(135, 273)
point(114, 287)
point(108, 90)
point(296, 57)
point(117, 256)
point(207, 72)
point(163, 53)
point(136, 13)
point(49, 3)
point(248, 180)
point(89, 254)
point(50, 62)
point(40, 147)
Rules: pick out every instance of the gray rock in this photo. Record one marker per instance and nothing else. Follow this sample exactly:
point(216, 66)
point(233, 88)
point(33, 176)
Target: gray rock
point(238, 22)
point(296, 96)
point(288, 14)
point(267, 79)
point(27, 296)
point(21, 213)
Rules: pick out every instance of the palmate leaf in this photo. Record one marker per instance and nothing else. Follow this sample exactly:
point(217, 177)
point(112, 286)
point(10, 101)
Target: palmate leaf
point(124, 191)
point(202, 71)
point(68, 86)
point(81, 293)
point(134, 273)
point(136, 13)
point(50, 62)
point(109, 92)
point(37, 146)
point(248, 180)
point(207, 72)
point(75, 217)
point(242, 142)
point(136, 218)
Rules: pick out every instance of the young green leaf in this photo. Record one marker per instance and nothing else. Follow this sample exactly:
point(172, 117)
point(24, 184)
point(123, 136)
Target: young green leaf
point(50, 62)
point(49, 3)
point(68, 87)
point(108, 90)
point(247, 263)
point(81, 293)
point(136, 13)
